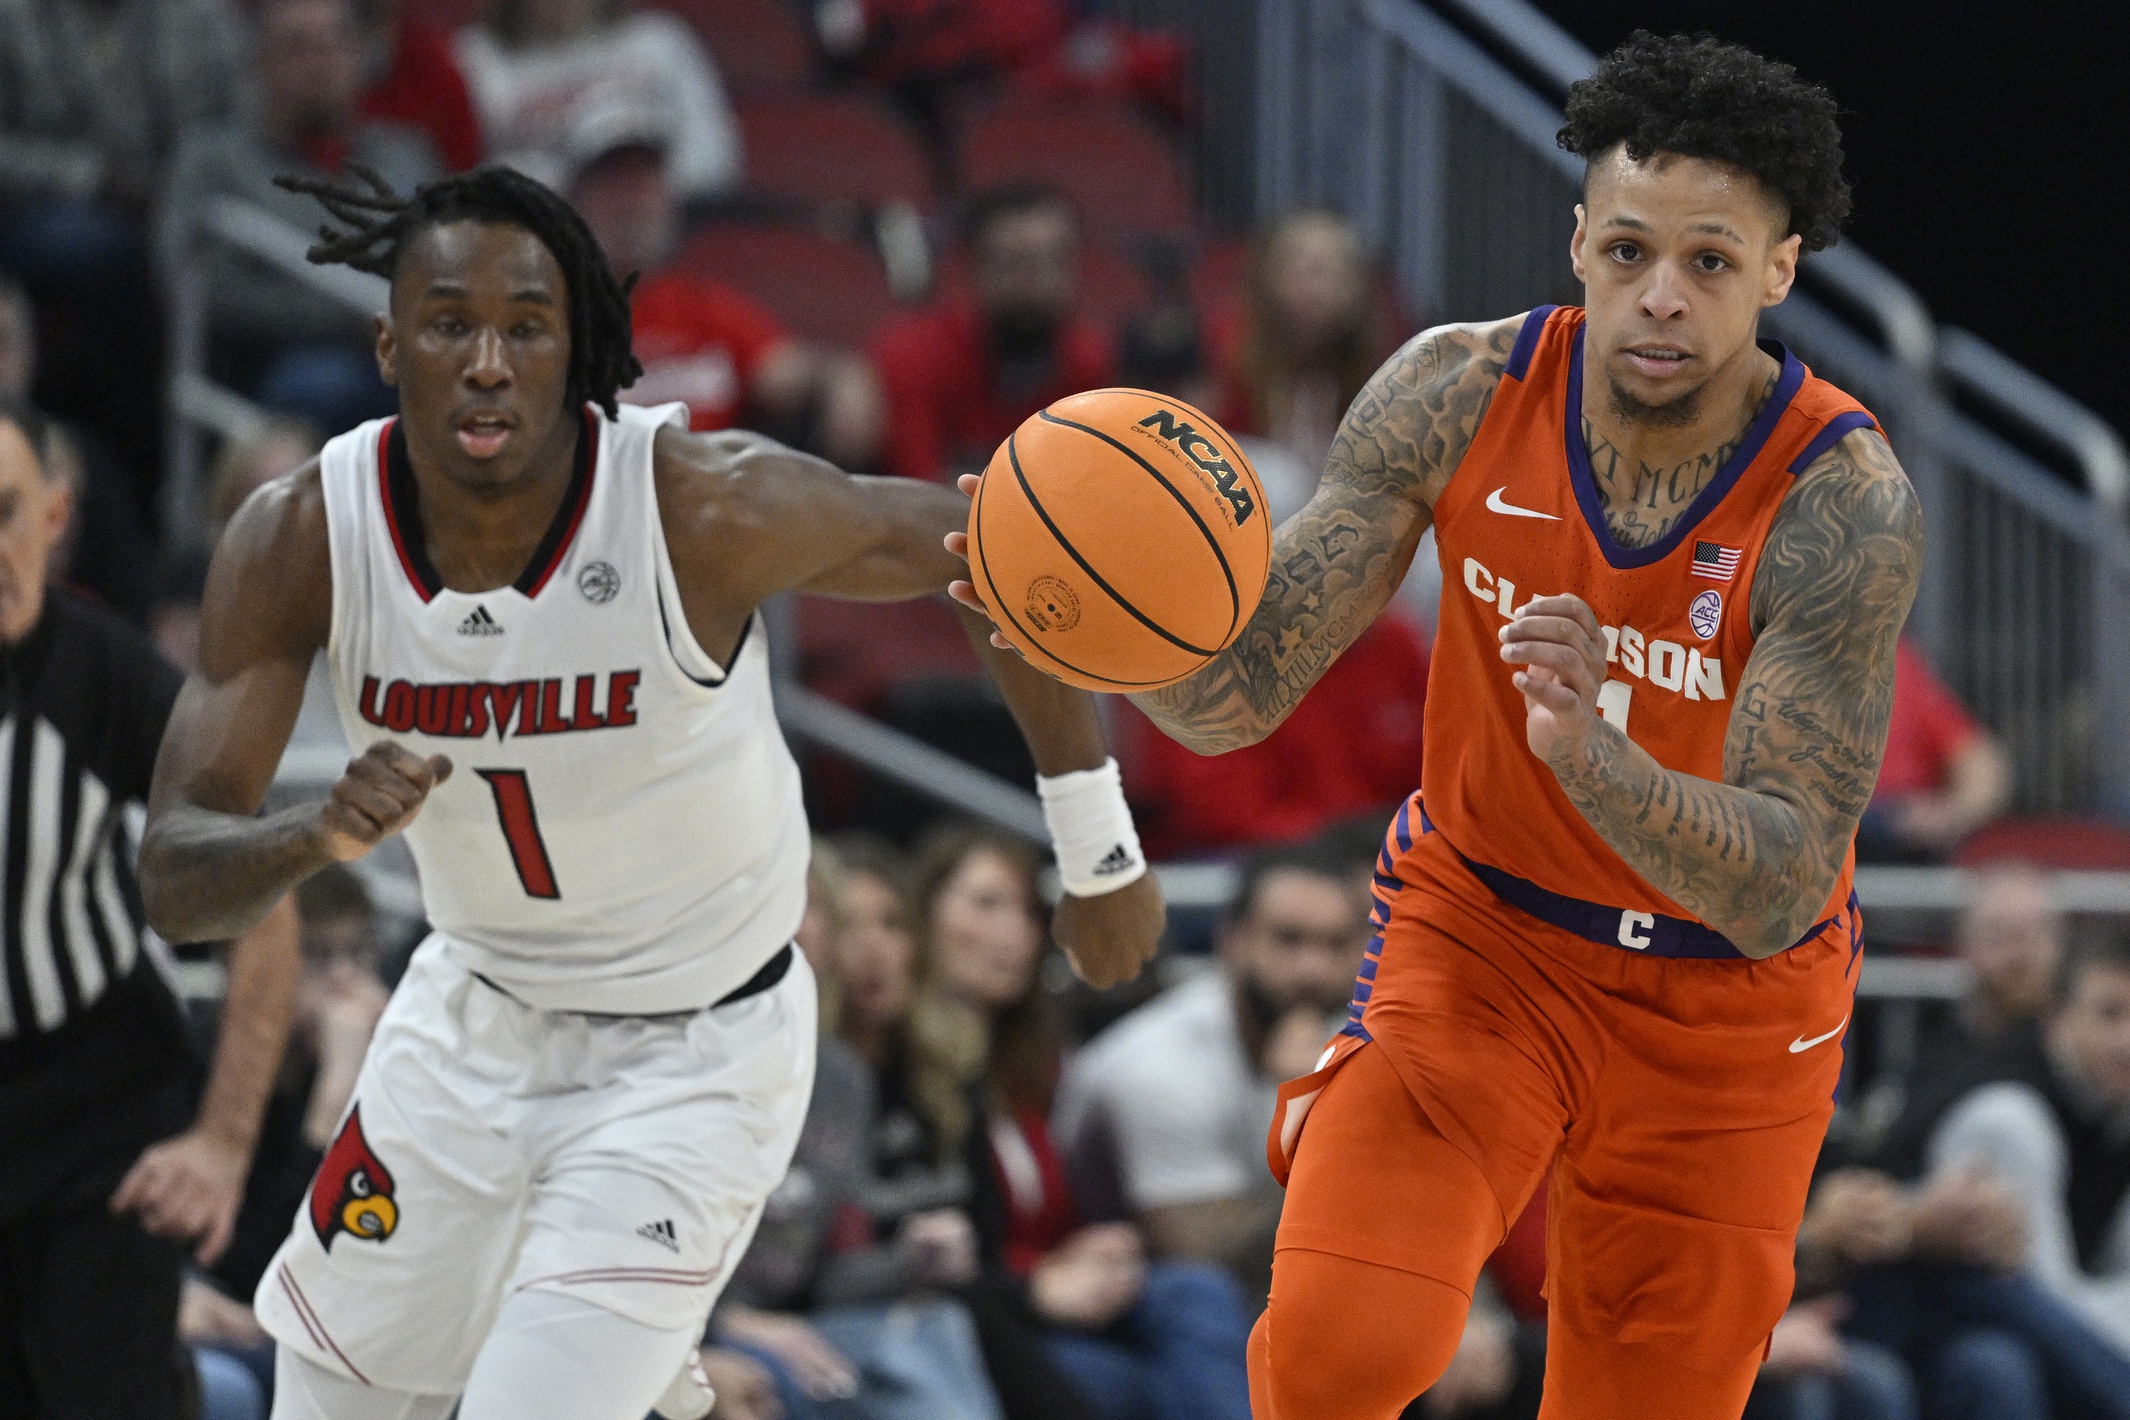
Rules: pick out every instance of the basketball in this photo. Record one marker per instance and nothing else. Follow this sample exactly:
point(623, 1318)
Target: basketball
point(1120, 539)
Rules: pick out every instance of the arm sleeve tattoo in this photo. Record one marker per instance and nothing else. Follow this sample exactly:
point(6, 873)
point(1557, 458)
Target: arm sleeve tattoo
point(1757, 855)
point(1337, 561)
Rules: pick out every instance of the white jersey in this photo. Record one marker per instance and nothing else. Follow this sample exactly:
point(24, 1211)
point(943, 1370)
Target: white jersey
point(622, 830)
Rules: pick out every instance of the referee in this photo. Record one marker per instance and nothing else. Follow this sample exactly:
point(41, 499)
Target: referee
point(95, 1065)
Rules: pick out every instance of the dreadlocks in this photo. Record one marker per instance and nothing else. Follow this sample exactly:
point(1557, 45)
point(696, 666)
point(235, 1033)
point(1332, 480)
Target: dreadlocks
point(382, 224)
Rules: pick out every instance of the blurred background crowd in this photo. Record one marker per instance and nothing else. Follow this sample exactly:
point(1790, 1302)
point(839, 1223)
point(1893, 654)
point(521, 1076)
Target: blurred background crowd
point(887, 231)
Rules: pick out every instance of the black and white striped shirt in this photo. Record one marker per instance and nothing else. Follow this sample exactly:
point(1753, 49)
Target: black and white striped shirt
point(83, 702)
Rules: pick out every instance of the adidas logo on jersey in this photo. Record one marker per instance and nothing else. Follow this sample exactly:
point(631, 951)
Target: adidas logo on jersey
point(480, 623)
point(661, 1232)
point(1114, 861)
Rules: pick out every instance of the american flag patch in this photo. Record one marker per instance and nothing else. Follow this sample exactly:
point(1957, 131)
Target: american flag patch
point(1715, 561)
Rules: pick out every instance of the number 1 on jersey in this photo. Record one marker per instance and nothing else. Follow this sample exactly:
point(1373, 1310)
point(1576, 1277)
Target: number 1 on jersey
point(521, 830)
point(1612, 698)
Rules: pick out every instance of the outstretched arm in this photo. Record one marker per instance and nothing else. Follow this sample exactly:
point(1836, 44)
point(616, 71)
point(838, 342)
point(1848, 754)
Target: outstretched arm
point(1757, 855)
point(1337, 561)
point(748, 518)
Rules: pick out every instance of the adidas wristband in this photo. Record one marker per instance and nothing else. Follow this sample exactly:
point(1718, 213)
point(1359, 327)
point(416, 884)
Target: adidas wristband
point(1091, 830)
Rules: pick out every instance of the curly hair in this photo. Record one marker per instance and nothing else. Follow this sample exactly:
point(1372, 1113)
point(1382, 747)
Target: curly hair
point(1702, 98)
point(381, 225)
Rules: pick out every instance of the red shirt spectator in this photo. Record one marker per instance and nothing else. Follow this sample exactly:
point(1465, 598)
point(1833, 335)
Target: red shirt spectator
point(701, 343)
point(424, 88)
point(946, 410)
point(1352, 745)
point(1930, 728)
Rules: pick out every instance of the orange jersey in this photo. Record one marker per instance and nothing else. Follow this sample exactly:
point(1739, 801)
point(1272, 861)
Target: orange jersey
point(1520, 519)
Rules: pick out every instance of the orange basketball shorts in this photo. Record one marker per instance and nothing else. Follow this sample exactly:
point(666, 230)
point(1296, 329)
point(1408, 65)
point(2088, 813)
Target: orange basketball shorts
point(1681, 1102)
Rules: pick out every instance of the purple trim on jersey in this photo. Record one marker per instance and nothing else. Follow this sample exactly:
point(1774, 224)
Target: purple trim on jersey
point(1584, 481)
point(1840, 427)
point(1527, 341)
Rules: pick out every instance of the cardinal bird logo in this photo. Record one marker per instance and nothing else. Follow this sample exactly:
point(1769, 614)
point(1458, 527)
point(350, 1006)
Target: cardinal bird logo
point(353, 1190)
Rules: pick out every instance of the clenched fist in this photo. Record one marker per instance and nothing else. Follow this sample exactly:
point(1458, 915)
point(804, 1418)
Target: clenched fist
point(381, 792)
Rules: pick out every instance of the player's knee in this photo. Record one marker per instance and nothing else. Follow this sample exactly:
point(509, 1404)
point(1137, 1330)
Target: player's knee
point(1321, 1358)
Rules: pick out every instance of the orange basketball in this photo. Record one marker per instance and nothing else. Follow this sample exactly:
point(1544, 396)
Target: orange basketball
point(1120, 539)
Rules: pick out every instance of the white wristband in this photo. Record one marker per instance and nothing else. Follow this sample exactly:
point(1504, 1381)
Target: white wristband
point(1091, 830)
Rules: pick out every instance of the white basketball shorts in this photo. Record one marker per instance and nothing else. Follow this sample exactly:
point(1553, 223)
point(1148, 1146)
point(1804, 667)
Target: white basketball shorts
point(491, 1146)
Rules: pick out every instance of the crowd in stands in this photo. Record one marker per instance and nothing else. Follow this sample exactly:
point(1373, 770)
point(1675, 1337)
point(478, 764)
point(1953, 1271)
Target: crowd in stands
point(1014, 1199)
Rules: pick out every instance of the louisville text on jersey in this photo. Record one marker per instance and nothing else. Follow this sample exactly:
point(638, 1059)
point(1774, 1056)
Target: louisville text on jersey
point(469, 709)
point(1683, 670)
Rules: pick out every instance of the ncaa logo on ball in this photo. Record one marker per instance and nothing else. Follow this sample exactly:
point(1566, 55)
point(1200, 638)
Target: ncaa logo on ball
point(599, 582)
point(1706, 614)
point(1052, 606)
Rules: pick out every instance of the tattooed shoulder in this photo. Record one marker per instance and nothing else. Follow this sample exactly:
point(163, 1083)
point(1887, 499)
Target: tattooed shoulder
point(1412, 422)
point(1832, 591)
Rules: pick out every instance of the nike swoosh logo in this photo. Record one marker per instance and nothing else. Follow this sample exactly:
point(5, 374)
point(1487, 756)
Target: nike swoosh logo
point(1800, 1045)
point(1494, 504)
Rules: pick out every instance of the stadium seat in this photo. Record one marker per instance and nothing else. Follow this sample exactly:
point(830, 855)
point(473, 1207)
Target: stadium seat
point(761, 46)
point(1122, 174)
point(2064, 842)
point(832, 148)
point(824, 288)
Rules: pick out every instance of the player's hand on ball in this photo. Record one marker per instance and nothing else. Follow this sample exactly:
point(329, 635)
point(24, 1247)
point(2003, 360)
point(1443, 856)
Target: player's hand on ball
point(1559, 651)
point(964, 591)
point(381, 791)
point(1109, 938)
point(186, 1188)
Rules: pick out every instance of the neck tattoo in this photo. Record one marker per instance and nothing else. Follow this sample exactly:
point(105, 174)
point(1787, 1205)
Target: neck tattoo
point(1644, 501)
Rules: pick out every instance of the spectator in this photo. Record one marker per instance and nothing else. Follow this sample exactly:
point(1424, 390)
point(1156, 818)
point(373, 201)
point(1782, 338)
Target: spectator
point(1943, 776)
point(94, 98)
point(1351, 748)
point(848, 1323)
point(1813, 1373)
point(2055, 1132)
point(113, 1154)
point(107, 551)
point(1164, 1114)
point(1134, 1340)
point(2012, 938)
point(699, 341)
point(293, 347)
point(963, 375)
point(540, 68)
point(412, 78)
point(1309, 336)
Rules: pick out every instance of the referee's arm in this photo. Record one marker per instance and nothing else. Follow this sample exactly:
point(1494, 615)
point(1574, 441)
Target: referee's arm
point(190, 1186)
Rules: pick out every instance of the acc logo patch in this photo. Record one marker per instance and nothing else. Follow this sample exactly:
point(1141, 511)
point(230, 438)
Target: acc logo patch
point(1706, 613)
point(1052, 605)
point(353, 1190)
point(599, 582)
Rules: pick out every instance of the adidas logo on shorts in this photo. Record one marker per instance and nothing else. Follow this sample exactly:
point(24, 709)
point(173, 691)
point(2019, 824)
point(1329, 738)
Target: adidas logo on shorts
point(1114, 861)
point(480, 623)
point(661, 1232)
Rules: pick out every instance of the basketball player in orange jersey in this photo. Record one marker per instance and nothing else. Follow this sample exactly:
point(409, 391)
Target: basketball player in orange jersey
point(1616, 935)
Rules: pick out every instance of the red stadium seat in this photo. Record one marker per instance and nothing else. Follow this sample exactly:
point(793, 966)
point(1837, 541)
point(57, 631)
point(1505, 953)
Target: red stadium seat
point(760, 45)
point(824, 288)
point(828, 149)
point(2067, 843)
point(1122, 174)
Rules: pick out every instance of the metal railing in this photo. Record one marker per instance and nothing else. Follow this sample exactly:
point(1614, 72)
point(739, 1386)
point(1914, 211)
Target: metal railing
point(1406, 116)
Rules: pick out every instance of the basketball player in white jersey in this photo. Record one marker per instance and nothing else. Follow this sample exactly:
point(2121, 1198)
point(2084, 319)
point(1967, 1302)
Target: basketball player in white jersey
point(540, 615)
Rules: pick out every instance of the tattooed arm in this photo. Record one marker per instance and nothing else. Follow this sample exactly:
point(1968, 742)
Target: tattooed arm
point(1337, 561)
point(1757, 855)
